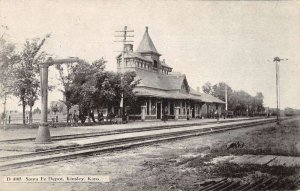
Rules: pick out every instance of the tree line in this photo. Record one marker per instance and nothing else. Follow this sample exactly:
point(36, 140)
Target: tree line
point(240, 102)
point(85, 84)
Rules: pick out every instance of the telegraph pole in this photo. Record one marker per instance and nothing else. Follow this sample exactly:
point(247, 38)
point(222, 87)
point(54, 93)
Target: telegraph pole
point(125, 34)
point(276, 60)
point(43, 134)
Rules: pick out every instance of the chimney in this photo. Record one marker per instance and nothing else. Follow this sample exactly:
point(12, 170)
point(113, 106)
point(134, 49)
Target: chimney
point(198, 89)
point(128, 47)
point(146, 29)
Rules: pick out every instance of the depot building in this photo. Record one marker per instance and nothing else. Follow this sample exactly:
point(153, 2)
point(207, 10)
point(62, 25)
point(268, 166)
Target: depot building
point(160, 89)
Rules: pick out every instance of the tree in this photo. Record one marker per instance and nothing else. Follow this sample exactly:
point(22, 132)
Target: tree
point(218, 90)
point(37, 111)
point(84, 80)
point(57, 106)
point(8, 57)
point(129, 82)
point(54, 108)
point(81, 84)
point(207, 88)
point(240, 102)
point(93, 88)
point(66, 78)
point(258, 103)
point(26, 71)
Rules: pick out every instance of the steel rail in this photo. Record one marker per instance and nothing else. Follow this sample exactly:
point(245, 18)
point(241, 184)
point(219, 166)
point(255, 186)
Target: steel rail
point(123, 143)
point(124, 140)
point(120, 131)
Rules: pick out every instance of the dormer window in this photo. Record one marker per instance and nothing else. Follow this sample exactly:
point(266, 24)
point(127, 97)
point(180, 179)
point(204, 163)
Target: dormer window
point(155, 64)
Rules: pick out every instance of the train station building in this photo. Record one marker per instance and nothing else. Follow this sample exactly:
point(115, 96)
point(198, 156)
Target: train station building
point(162, 90)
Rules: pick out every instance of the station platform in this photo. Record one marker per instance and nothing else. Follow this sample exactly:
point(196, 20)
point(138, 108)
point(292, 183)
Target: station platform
point(21, 133)
point(13, 148)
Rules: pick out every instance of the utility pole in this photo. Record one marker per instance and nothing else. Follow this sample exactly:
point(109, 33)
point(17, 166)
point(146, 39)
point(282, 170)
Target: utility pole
point(276, 60)
point(124, 40)
point(43, 134)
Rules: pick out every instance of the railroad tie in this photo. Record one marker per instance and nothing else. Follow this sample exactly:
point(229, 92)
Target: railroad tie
point(271, 185)
point(250, 186)
point(230, 186)
point(240, 187)
point(213, 185)
point(277, 186)
point(262, 185)
point(225, 184)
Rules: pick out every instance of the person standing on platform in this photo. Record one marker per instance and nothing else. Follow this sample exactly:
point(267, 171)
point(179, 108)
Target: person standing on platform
point(75, 118)
point(100, 116)
point(92, 116)
point(125, 117)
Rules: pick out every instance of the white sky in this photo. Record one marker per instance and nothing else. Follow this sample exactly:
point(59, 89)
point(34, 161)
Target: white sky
point(207, 40)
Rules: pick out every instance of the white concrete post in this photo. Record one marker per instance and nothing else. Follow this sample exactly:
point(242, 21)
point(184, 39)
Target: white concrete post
point(43, 135)
point(150, 107)
point(143, 108)
point(176, 113)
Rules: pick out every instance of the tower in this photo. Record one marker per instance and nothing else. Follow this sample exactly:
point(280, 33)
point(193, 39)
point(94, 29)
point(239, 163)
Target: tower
point(147, 49)
point(146, 57)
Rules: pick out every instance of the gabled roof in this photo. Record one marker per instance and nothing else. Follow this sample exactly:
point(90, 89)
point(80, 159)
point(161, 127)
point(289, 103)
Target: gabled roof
point(163, 82)
point(146, 45)
point(206, 97)
point(148, 92)
point(169, 86)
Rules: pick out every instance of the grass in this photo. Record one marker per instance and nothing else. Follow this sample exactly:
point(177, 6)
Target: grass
point(272, 140)
point(164, 174)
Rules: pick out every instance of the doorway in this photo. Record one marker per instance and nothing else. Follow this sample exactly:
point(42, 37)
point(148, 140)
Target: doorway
point(193, 111)
point(158, 113)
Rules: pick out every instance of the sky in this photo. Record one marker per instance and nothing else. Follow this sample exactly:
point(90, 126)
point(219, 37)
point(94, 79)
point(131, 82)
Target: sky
point(216, 41)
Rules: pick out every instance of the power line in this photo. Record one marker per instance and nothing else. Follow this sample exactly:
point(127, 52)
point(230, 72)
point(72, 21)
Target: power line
point(125, 35)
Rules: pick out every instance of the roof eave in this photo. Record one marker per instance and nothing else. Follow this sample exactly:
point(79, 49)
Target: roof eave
point(145, 52)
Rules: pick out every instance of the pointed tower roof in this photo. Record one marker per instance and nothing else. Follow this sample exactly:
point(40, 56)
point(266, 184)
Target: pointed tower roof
point(146, 45)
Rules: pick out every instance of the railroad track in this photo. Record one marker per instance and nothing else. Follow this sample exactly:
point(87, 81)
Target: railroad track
point(120, 131)
point(95, 148)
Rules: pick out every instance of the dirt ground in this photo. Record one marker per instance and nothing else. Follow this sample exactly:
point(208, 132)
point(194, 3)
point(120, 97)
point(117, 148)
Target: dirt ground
point(176, 165)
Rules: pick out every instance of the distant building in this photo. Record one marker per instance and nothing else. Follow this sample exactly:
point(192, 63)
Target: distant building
point(161, 88)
